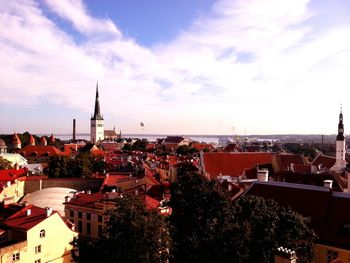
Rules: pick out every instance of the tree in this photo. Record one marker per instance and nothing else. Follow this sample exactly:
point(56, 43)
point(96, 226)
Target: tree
point(201, 224)
point(185, 150)
point(5, 164)
point(83, 165)
point(133, 234)
point(272, 226)
point(206, 226)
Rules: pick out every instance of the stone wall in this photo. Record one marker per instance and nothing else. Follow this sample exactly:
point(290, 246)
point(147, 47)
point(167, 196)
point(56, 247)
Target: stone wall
point(75, 183)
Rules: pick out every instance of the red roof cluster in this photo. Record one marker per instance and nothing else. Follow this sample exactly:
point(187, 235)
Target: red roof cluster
point(40, 150)
point(233, 164)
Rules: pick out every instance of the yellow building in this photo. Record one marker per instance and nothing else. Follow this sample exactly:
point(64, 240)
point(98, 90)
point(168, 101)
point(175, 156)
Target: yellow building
point(33, 234)
point(11, 192)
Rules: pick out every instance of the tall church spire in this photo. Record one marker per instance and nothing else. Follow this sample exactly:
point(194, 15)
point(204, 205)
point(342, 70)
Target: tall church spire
point(340, 136)
point(97, 112)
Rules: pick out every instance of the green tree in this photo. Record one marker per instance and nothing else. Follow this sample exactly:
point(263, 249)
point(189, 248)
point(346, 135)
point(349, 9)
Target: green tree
point(83, 165)
point(133, 234)
point(202, 228)
point(271, 226)
point(185, 150)
point(207, 226)
point(140, 145)
point(5, 164)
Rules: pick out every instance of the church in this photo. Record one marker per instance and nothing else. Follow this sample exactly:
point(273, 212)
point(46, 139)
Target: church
point(97, 131)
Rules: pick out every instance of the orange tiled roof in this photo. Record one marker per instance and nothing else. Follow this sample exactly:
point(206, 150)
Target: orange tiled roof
point(40, 150)
point(233, 164)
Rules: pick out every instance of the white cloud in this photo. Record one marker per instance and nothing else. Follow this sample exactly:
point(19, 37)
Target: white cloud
point(258, 65)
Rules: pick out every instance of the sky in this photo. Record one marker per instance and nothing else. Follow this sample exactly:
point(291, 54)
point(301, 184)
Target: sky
point(180, 67)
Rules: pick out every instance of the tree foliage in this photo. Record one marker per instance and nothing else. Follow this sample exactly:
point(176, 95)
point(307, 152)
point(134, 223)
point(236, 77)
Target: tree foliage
point(186, 150)
point(5, 164)
point(83, 165)
point(207, 226)
point(133, 234)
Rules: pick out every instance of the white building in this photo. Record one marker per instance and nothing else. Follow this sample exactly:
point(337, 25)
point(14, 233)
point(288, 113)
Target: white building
point(340, 162)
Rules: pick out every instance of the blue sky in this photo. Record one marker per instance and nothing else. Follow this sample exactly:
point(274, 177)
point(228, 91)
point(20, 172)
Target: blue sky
point(181, 67)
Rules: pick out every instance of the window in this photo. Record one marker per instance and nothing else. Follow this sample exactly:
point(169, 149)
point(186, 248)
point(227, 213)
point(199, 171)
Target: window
point(99, 219)
point(71, 213)
point(80, 214)
point(42, 233)
point(16, 257)
point(331, 255)
point(88, 216)
point(80, 226)
point(99, 231)
point(88, 229)
point(38, 249)
point(37, 261)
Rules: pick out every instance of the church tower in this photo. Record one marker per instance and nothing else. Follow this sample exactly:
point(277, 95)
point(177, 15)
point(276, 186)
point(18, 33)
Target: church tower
point(96, 122)
point(340, 147)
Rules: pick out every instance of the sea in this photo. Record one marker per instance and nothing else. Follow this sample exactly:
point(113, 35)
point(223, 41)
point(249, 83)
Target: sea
point(153, 137)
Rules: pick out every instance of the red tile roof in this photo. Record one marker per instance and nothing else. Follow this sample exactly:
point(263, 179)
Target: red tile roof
point(21, 220)
point(86, 200)
point(286, 159)
point(150, 202)
point(11, 174)
point(233, 164)
point(40, 150)
point(113, 180)
point(324, 161)
point(202, 146)
point(302, 168)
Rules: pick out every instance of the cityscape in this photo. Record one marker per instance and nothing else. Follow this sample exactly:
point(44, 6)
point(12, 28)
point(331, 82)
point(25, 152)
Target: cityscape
point(189, 131)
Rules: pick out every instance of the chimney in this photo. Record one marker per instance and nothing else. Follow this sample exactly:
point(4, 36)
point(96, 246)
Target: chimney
point(28, 212)
point(229, 187)
point(136, 192)
point(74, 132)
point(328, 183)
point(263, 175)
point(285, 255)
point(88, 192)
point(114, 190)
point(48, 211)
point(8, 183)
point(67, 199)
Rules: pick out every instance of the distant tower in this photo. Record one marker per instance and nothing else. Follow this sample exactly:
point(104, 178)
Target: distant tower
point(52, 139)
point(43, 141)
point(16, 142)
point(340, 150)
point(97, 122)
point(31, 140)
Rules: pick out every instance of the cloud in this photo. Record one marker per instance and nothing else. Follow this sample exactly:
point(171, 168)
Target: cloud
point(258, 65)
point(75, 12)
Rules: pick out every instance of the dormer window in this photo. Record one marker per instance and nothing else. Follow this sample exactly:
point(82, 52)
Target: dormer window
point(42, 233)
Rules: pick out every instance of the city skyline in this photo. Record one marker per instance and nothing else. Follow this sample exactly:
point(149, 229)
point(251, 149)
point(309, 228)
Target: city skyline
point(204, 67)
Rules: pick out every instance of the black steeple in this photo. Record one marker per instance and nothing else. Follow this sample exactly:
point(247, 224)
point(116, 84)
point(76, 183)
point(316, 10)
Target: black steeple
point(97, 112)
point(340, 136)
